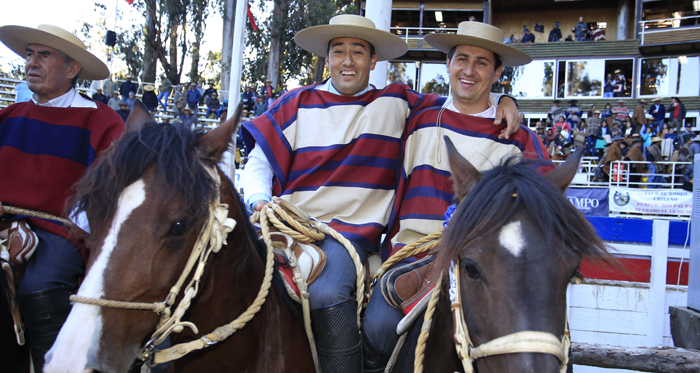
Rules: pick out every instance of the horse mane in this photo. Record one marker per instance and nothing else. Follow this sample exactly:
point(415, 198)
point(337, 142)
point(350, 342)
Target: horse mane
point(170, 148)
point(491, 204)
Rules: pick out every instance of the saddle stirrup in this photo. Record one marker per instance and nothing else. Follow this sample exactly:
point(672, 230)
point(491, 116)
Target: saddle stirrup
point(337, 337)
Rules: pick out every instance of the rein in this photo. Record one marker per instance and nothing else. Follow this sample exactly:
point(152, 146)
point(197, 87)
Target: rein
point(211, 238)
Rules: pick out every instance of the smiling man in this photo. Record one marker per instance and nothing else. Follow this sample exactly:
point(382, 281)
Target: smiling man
point(45, 146)
point(332, 150)
point(475, 60)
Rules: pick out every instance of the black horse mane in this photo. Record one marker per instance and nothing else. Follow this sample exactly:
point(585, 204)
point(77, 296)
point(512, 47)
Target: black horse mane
point(491, 204)
point(172, 151)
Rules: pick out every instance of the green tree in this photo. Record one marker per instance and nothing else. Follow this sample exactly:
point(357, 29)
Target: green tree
point(397, 73)
point(437, 85)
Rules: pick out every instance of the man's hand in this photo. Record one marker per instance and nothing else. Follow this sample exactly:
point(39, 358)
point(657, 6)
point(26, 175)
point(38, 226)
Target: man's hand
point(259, 205)
point(507, 110)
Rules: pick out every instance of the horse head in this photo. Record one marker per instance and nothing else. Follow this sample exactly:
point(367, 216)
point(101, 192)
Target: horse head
point(516, 242)
point(146, 199)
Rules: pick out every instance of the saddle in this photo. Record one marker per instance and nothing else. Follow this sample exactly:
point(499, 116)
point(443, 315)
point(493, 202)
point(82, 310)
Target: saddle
point(310, 259)
point(405, 285)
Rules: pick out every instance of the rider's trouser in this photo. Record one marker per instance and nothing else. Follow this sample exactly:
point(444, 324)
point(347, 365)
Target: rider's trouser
point(334, 310)
point(51, 274)
point(379, 332)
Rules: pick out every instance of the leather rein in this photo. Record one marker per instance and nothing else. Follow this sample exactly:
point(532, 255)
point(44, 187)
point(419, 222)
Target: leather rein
point(211, 238)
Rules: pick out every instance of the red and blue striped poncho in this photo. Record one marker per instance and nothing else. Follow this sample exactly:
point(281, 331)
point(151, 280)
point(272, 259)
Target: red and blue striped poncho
point(424, 189)
point(336, 157)
point(44, 152)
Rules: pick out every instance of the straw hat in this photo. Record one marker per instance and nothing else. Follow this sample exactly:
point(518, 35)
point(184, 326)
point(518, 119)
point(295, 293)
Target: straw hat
point(481, 35)
point(18, 37)
point(656, 139)
point(597, 111)
point(148, 87)
point(315, 39)
point(643, 101)
point(656, 99)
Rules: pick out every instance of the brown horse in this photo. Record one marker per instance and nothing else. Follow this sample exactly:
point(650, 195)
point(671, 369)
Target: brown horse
point(516, 242)
point(146, 201)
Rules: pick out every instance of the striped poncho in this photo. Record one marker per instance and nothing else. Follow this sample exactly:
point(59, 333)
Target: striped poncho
point(336, 157)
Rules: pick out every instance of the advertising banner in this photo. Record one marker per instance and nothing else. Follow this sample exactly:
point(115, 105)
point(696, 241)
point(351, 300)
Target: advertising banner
point(651, 201)
point(590, 201)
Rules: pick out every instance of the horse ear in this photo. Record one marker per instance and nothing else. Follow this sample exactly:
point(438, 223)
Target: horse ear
point(216, 141)
point(562, 175)
point(139, 115)
point(464, 174)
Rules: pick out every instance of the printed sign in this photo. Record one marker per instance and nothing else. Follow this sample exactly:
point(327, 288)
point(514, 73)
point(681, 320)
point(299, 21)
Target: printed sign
point(651, 201)
point(590, 201)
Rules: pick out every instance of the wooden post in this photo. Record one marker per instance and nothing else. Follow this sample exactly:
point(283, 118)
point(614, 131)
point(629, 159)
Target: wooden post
point(657, 294)
point(644, 359)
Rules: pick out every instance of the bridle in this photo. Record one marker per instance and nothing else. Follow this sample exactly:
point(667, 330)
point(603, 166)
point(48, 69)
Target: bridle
point(519, 342)
point(211, 238)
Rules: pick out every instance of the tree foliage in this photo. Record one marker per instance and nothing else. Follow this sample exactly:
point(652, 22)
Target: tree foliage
point(295, 63)
point(438, 86)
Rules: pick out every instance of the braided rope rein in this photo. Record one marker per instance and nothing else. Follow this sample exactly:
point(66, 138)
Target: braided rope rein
point(307, 229)
point(36, 214)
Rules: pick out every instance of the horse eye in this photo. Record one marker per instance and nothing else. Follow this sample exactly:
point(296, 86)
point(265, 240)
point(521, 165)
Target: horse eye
point(178, 228)
point(471, 270)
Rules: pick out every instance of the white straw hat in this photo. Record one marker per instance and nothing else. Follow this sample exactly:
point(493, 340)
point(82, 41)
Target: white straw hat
point(480, 35)
point(315, 39)
point(17, 38)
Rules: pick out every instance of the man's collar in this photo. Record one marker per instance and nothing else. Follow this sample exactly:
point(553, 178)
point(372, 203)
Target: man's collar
point(64, 100)
point(328, 87)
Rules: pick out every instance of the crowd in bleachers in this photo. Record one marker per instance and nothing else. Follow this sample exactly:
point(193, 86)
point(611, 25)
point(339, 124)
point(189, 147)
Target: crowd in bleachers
point(580, 32)
point(646, 135)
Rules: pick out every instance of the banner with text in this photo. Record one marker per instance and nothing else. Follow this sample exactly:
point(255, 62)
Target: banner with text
point(590, 201)
point(651, 201)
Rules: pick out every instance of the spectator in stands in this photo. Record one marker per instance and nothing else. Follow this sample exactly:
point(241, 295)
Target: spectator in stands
point(540, 130)
point(200, 89)
point(269, 89)
point(639, 116)
point(128, 86)
point(100, 97)
point(213, 105)
point(164, 91)
point(653, 157)
point(130, 100)
point(555, 112)
point(619, 84)
point(635, 154)
point(248, 98)
point(223, 112)
point(528, 37)
point(562, 125)
point(597, 34)
point(604, 129)
point(695, 145)
point(609, 89)
point(590, 112)
point(555, 34)
point(614, 154)
point(260, 106)
point(569, 38)
point(509, 40)
point(209, 91)
point(109, 85)
point(616, 132)
point(149, 98)
point(123, 110)
point(573, 113)
point(193, 96)
point(607, 112)
point(550, 136)
point(178, 96)
point(620, 112)
point(114, 101)
point(188, 118)
point(580, 30)
point(592, 132)
point(676, 114)
point(658, 111)
point(179, 108)
point(523, 120)
point(671, 134)
point(629, 128)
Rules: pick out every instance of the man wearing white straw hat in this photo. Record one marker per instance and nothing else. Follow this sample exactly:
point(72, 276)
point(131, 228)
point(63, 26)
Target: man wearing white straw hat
point(475, 60)
point(45, 146)
point(332, 150)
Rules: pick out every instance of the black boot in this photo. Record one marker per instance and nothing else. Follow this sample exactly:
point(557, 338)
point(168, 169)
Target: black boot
point(374, 359)
point(43, 313)
point(337, 338)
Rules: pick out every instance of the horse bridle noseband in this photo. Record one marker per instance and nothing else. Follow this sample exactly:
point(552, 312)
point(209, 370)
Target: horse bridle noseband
point(525, 341)
point(211, 238)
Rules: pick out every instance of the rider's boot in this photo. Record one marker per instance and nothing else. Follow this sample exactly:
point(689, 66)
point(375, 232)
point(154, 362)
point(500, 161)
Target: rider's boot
point(375, 360)
point(337, 338)
point(43, 314)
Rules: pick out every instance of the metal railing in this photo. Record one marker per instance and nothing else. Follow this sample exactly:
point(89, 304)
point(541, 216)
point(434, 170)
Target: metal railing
point(665, 25)
point(417, 33)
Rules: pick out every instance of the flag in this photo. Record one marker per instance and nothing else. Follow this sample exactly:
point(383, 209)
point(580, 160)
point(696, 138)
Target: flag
point(130, 1)
point(250, 18)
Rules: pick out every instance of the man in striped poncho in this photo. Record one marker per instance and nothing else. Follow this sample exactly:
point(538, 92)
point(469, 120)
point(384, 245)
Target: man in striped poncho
point(332, 149)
